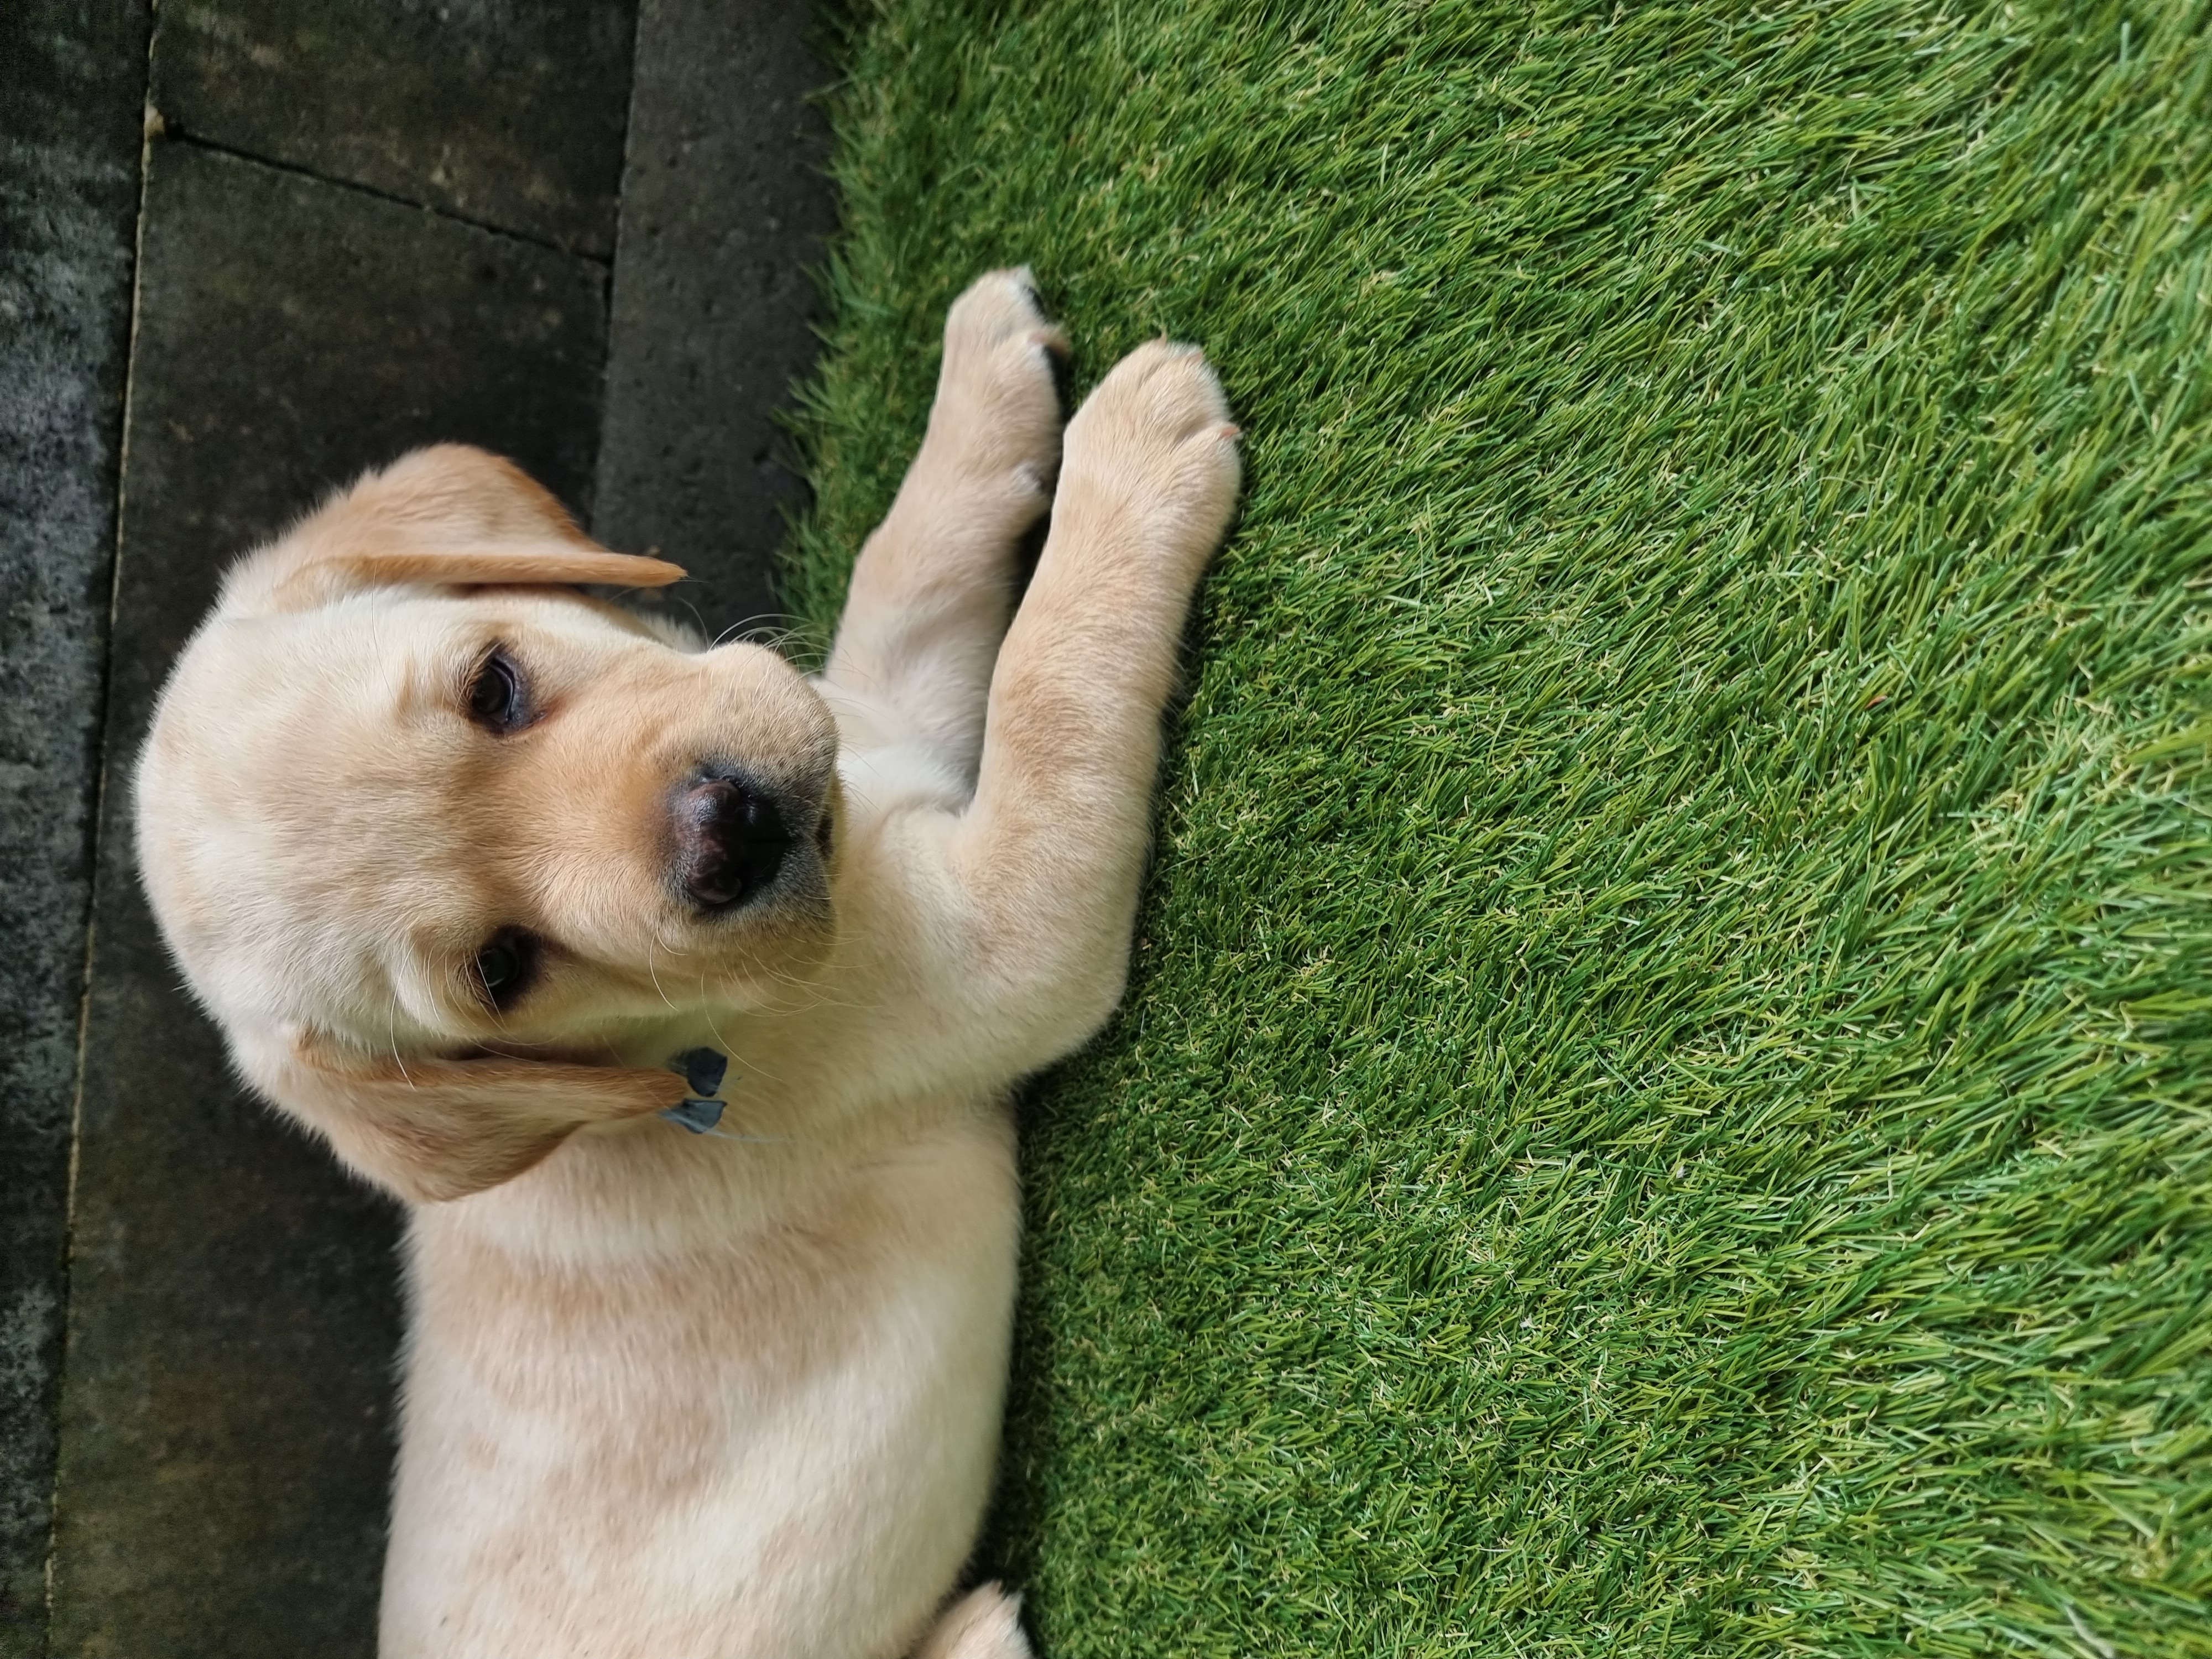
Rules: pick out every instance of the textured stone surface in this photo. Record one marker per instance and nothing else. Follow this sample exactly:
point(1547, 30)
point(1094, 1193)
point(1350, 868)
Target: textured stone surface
point(724, 205)
point(72, 81)
point(225, 1427)
point(508, 112)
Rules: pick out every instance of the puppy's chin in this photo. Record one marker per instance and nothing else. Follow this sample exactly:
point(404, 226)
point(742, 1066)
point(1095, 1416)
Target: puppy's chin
point(787, 931)
point(762, 963)
point(749, 980)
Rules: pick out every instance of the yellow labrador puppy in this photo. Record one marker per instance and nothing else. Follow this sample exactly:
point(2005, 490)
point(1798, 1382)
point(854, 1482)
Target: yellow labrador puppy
point(465, 862)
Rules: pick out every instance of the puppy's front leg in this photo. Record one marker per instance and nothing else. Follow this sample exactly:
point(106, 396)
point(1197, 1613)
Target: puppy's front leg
point(1049, 853)
point(934, 585)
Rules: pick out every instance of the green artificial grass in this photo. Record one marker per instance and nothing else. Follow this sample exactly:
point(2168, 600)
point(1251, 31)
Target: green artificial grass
point(1662, 1106)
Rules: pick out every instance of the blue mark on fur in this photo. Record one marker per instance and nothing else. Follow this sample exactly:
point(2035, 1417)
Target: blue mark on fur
point(703, 1069)
point(697, 1115)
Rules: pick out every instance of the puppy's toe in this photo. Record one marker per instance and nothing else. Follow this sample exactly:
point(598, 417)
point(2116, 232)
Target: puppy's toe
point(997, 398)
point(999, 306)
point(984, 1624)
point(1155, 436)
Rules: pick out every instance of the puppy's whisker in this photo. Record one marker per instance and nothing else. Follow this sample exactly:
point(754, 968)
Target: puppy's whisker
point(392, 1036)
point(654, 974)
point(752, 1067)
point(721, 1041)
point(684, 600)
point(772, 623)
point(774, 629)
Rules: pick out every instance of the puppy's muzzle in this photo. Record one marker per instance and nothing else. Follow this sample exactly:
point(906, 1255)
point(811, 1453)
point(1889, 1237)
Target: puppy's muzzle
point(731, 839)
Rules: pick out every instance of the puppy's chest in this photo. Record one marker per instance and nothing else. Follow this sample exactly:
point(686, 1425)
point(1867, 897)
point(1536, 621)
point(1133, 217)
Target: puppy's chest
point(644, 1363)
point(689, 1267)
point(559, 1411)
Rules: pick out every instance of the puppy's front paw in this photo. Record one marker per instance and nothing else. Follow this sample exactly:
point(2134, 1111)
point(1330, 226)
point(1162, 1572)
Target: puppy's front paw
point(1154, 445)
point(997, 408)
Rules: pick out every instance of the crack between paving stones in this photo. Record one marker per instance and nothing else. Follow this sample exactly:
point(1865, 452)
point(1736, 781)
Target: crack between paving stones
point(95, 825)
point(176, 134)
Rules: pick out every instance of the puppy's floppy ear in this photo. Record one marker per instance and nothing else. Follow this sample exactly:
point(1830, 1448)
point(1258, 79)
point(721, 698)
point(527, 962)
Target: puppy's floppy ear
point(437, 1129)
point(446, 514)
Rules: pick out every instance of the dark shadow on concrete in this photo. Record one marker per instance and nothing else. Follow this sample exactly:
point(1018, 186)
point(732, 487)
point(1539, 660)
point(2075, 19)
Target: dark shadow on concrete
point(72, 83)
point(724, 205)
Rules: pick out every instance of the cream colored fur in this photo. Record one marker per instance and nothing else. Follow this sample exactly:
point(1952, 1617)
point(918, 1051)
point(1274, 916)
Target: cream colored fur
point(670, 1395)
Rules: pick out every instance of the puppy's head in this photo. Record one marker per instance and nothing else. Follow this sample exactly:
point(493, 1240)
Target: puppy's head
point(427, 829)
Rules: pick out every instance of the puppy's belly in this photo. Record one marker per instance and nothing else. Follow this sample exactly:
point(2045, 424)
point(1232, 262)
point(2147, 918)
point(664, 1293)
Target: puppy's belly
point(781, 1446)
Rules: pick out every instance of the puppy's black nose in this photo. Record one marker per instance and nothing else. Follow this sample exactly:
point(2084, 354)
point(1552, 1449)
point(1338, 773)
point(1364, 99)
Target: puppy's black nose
point(729, 841)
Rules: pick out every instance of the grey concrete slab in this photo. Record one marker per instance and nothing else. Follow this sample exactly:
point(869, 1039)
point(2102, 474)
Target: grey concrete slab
point(725, 204)
point(225, 1409)
point(507, 112)
point(72, 83)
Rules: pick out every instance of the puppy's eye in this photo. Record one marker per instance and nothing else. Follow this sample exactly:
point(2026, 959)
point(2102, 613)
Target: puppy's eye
point(507, 966)
point(499, 698)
